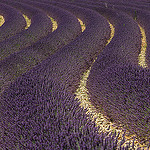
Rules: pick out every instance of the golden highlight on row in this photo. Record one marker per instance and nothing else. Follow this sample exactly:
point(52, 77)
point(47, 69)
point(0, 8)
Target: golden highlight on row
point(2, 20)
point(142, 61)
point(55, 25)
point(82, 25)
point(28, 21)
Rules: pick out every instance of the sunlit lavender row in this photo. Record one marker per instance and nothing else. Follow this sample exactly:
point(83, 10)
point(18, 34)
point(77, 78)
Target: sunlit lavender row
point(41, 68)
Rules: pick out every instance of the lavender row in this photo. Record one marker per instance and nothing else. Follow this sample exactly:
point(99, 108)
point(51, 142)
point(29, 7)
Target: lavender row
point(18, 63)
point(60, 119)
point(66, 64)
point(126, 43)
point(144, 136)
point(14, 22)
point(68, 27)
point(142, 16)
point(77, 56)
point(122, 93)
point(106, 82)
point(42, 115)
point(96, 92)
point(40, 27)
point(102, 94)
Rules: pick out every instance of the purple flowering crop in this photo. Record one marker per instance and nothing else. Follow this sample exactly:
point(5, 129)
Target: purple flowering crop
point(38, 109)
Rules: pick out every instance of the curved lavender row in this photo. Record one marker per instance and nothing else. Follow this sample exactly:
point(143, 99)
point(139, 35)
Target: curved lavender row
point(42, 115)
point(141, 14)
point(18, 63)
point(27, 58)
point(126, 43)
point(51, 69)
point(123, 92)
point(78, 55)
point(140, 127)
point(101, 85)
point(14, 22)
point(40, 27)
point(111, 147)
point(127, 31)
point(68, 27)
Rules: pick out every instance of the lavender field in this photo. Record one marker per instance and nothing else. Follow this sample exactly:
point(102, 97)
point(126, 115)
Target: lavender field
point(74, 75)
